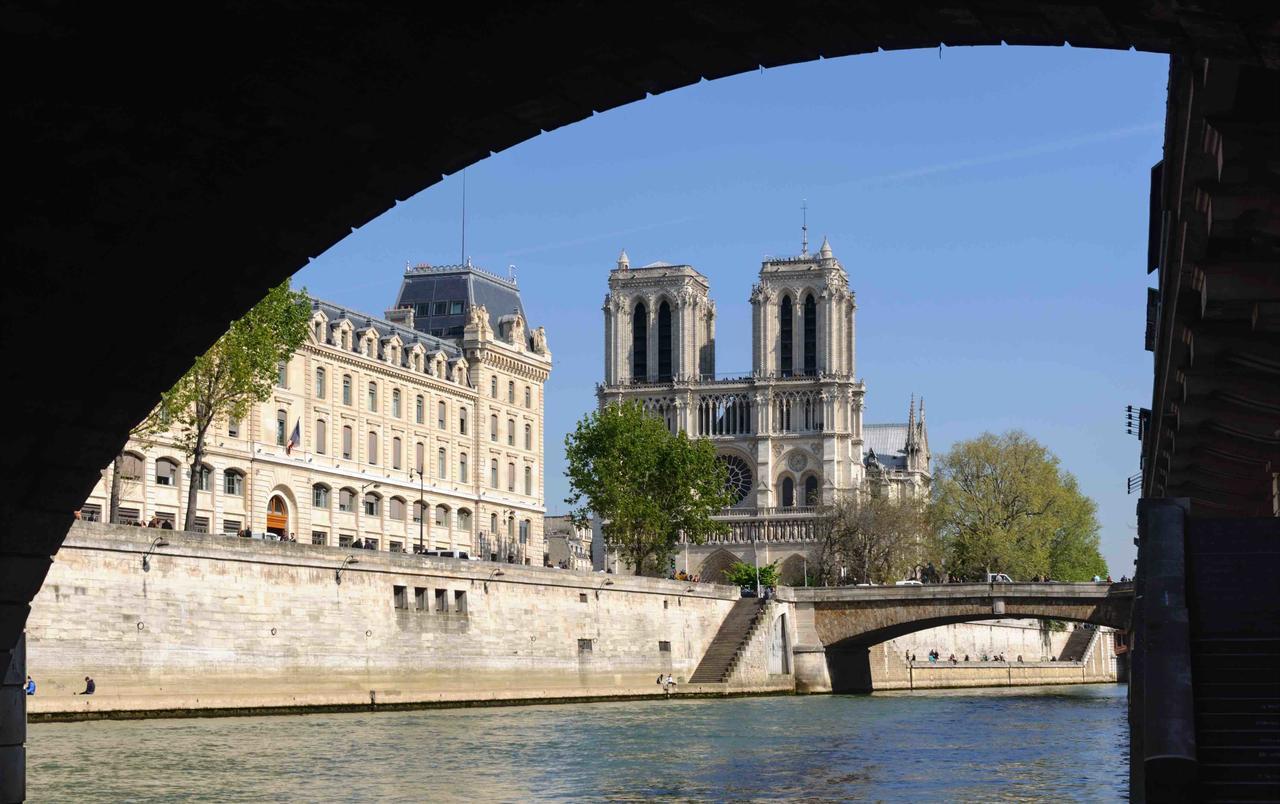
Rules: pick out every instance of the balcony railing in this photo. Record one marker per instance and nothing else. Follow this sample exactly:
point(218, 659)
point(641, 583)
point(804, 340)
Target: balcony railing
point(771, 511)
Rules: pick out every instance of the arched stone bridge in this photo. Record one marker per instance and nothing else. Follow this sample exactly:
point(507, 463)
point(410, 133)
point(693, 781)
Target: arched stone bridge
point(835, 627)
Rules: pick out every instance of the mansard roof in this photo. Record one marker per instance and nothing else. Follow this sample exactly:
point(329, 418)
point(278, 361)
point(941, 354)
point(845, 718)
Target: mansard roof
point(385, 329)
point(888, 441)
point(425, 285)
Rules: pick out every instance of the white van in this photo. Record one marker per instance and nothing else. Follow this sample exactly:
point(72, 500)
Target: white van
point(998, 577)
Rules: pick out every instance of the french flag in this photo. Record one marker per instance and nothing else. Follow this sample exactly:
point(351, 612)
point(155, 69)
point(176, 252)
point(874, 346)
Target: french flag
point(295, 438)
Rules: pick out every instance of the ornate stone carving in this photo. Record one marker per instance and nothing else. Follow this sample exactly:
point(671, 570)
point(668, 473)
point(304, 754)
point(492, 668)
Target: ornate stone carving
point(797, 460)
point(540, 340)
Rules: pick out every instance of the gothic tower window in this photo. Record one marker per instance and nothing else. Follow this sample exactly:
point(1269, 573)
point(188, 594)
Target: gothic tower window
point(788, 492)
point(784, 336)
point(664, 342)
point(640, 343)
point(810, 336)
point(811, 490)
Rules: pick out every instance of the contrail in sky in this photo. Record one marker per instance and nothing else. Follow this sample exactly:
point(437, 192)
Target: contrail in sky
point(1020, 153)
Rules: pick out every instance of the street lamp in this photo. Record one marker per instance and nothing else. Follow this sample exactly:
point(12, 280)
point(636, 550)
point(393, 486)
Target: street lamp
point(159, 541)
point(497, 573)
point(346, 562)
point(422, 505)
point(608, 582)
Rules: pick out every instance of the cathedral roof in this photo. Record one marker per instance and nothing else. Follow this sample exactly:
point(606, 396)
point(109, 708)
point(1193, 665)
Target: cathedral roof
point(889, 441)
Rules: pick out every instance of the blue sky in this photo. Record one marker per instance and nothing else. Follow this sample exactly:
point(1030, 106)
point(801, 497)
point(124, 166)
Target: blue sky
point(989, 206)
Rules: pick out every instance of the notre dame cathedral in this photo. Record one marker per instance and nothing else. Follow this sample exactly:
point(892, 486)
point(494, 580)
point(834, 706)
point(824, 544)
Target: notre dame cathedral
point(791, 432)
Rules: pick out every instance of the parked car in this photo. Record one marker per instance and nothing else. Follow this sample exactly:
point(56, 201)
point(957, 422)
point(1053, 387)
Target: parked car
point(908, 582)
point(998, 577)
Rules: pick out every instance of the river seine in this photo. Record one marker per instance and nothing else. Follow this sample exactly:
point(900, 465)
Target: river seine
point(1027, 744)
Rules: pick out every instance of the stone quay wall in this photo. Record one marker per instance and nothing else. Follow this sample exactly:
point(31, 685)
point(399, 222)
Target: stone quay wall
point(224, 623)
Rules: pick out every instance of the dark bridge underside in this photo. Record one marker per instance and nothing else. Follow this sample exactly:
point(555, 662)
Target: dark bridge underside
point(875, 637)
point(169, 163)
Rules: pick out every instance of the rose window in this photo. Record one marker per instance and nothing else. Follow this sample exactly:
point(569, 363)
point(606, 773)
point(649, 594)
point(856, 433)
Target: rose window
point(738, 482)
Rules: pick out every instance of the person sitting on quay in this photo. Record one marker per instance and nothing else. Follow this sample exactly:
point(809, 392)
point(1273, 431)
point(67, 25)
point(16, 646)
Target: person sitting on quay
point(984, 657)
point(166, 524)
point(966, 657)
point(30, 687)
point(1019, 658)
point(89, 687)
point(953, 659)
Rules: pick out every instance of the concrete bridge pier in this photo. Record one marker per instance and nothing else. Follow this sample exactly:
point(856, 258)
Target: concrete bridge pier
point(808, 654)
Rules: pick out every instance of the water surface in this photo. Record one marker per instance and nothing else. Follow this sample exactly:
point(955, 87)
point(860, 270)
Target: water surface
point(1022, 744)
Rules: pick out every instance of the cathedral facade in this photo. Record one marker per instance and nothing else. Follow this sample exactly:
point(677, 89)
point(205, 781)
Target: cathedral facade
point(790, 433)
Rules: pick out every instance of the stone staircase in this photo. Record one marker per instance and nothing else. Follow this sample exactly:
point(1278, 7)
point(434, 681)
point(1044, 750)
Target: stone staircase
point(1235, 661)
point(1077, 646)
point(722, 655)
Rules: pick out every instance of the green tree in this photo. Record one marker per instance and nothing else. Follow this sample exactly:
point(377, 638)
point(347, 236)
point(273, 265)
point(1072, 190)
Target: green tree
point(647, 485)
point(741, 573)
point(1004, 504)
point(874, 539)
point(239, 370)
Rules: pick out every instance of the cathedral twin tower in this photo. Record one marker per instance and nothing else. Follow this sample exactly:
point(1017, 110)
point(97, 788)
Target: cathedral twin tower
point(791, 433)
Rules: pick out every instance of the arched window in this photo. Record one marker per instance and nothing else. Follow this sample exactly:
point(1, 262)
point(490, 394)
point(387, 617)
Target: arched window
point(640, 343)
point(526, 526)
point(528, 436)
point(322, 437)
point(347, 500)
point(442, 414)
point(397, 456)
point(420, 409)
point(132, 466)
point(493, 473)
point(462, 467)
point(811, 490)
point(204, 474)
point(442, 516)
point(664, 342)
point(528, 480)
point(511, 392)
point(346, 389)
point(372, 450)
point(373, 397)
point(420, 456)
point(493, 386)
point(320, 381)
point(462, 421)
point(528, 397)
point(372, 504)
point(233, 482)
point(464, 520)
point(319, 496)
point(442, 464)
point(511, 477)
point(784, 336)
point(166, 472)
point(395, 402)
point(282, 422)
point(511, 528)
point(511, 432)
point(493, 428)
point(493, 524)
point(396, 509)
point(810, 336)
point(346, 441)
point(419, 507)
point(788, 492)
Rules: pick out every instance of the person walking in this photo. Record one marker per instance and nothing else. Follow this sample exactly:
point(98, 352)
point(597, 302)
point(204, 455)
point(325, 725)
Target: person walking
point(30, 687)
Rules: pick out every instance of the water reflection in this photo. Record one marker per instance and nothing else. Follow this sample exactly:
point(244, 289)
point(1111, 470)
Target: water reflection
point(1030, 744)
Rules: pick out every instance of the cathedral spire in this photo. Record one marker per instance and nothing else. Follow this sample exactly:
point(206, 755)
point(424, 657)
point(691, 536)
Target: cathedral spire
point(911, 426)
point(825, 251)
point(804, 228)
point(623, 261)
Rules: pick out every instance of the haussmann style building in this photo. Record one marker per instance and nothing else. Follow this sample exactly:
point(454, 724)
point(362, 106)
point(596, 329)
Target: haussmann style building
point(791, 434)
point(420, 427)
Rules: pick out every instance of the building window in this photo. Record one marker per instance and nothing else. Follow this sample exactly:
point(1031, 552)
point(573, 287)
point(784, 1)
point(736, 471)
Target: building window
point(372, 451)
point(346, 441)
point(811, 490)
point(442, 414)
point(420, 456)
point(464, 520)
point(166, 472)
point(395, 402)
point(397, 459)
point(664, 342)
point(582, 597)
point(396, 509)
point(373, 397)
point(320, 382)
point(442, 601)
point(462, 421)
point(462, 467)
point(319, 496)
point(322, 437)
point(511, 432)
point(201, 524)
point(528, 436)
point(282, 374)
point(233, 428)
point(346, 389)
point(493, 429)
point(442, 516)
point(372, 504)
point(528, 481)
point(419, 507)
point(419, 409)
point(810, 336)
point(419, 598)
point(528, 397)
point(400, 597)
point(132, 467)
point(664, 646)
point(511, 477)
point(347, 500)
point(584, 647)
point(511, 392)
point(442, 464)
point(233, 483)
point(231, 527)
point(204, 476)
point(639, 343)
point(784, 336)
point(493, 524)
point(493, 473)
point(459, 601)
point(526, 527)
point(319, 537)
point(493, 387)
point(282, 419)
point(788, 493)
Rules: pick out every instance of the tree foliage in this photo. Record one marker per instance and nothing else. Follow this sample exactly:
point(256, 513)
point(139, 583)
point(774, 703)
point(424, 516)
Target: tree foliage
point(741, 573)
point(239, 370)
point(1004, 504)
point(874, 539)
point(647, 485)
